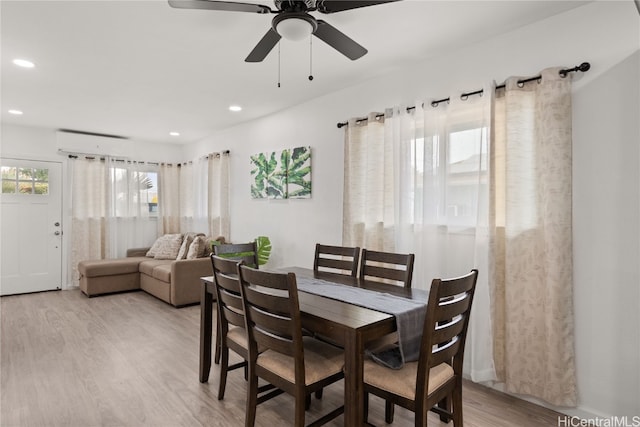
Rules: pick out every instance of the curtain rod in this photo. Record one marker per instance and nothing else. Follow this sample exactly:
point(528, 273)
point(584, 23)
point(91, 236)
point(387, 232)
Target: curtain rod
point(91, 156)
point(584, 67)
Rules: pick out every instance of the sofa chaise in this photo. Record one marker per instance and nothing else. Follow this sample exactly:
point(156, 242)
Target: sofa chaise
point(170, 270)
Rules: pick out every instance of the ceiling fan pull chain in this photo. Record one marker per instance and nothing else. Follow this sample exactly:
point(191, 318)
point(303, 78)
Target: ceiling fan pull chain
point(278, 64)
point(310, 58)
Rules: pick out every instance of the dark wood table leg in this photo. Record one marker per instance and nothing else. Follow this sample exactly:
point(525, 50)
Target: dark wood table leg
point(353, 373)
point(206, 309)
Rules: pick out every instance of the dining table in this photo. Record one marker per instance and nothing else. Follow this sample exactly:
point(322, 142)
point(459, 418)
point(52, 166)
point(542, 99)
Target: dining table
point(347, 324)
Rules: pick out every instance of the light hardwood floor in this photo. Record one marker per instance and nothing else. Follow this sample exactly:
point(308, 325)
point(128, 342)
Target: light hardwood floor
point(132, 360)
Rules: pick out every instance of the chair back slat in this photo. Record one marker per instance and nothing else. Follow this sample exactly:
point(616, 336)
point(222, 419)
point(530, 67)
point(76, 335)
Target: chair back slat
point(385, 273)
point(336, 264)
point(273, 323)
point(269, 299)
point(445, 326)
point(272, 312)
point(446, 353)
point(337, 259)
point(456, 286)
point(453, 307)
point(245, 252)
point(230, 299)
point(227, 286)
point(387, 266)
point(447, 331)
point(233, 317)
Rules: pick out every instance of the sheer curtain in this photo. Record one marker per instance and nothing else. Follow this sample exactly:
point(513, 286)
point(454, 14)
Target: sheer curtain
point(194, 196)
point(110, 208)
point(417, 182)
point(132, 222)
point(89, 207)
point(532, 292)
point(442, 212)
point(482, 182)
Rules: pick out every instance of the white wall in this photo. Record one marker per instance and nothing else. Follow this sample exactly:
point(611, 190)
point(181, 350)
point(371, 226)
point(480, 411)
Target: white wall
point(606, 183)
point(606, 230)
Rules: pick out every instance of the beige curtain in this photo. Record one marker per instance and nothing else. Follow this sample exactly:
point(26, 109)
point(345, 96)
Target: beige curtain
point(531, 278)
point(368, 208)
point(89, 212)
point(169, 198)
point(218, 210)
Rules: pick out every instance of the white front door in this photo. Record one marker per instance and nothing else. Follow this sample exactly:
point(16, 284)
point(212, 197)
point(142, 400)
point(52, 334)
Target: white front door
point(31, 225)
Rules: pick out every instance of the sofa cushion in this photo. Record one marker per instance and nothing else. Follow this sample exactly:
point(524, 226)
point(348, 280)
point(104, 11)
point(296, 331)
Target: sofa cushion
point(146, 267)
point(162, 272)
point(109, 267)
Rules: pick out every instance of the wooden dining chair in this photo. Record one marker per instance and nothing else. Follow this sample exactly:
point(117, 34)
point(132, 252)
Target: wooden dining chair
point(230, 331)
point(295, 364)
point(231, 324)
point(246, 252)
point(336, 259)
point(434, 382)
point(388, 266)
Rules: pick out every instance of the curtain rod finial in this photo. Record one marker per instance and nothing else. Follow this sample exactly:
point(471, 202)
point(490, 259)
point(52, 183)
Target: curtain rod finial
point(585, 66)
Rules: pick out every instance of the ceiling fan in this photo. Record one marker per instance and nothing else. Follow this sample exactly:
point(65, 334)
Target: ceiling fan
point(292, 21)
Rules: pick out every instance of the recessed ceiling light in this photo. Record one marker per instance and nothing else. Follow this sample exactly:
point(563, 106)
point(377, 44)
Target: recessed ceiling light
point(174, 133)
point(24, 63)
point(235, 108)
point(15, 112)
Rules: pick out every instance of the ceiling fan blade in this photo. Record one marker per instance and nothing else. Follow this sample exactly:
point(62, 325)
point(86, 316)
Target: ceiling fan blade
point(332, 6)
point(264, 46)
point(339, 41)
point(228, 6)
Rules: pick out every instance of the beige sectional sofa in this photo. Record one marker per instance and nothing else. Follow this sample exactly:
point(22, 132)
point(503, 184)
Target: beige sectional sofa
point(175, 281)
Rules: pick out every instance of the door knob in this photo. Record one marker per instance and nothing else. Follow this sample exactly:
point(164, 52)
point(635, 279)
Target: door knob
point(57, 224)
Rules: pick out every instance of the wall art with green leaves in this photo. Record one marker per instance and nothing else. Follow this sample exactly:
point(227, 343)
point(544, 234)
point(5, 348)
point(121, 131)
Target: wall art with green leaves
point(282, 174)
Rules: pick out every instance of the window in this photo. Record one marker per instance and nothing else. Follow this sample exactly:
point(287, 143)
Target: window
point(466, 174)
point(446, 171)
point(18, 180)
point(135, 193)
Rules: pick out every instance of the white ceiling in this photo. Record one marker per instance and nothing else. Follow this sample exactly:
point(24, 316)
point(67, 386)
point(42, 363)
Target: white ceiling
point(141, 69)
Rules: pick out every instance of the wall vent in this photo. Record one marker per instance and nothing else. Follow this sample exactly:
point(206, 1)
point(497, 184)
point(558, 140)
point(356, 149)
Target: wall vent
point(81, 132)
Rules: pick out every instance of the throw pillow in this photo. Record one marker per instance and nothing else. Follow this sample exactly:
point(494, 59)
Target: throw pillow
point(156, 245)
point(197, 248)
point(169, 247)
point(186, 242)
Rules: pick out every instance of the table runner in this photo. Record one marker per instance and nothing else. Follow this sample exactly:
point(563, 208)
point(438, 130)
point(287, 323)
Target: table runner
point(409, 316)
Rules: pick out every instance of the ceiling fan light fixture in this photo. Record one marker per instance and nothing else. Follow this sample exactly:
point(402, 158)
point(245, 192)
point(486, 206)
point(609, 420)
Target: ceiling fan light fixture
point(294, 26)
point(294, 29)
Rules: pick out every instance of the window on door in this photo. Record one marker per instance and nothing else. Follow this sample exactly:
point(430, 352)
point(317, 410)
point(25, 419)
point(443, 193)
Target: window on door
point(19, 180)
